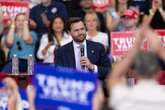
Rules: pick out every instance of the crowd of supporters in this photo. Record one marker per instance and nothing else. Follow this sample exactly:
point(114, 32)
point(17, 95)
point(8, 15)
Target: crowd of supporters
point(45, 33)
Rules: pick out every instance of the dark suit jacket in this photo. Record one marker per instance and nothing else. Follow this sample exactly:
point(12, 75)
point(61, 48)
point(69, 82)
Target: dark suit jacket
point(65, 57)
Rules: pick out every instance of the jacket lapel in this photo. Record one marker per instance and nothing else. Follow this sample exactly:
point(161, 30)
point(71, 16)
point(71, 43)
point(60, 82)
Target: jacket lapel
point(90, 51)
point(71, 56)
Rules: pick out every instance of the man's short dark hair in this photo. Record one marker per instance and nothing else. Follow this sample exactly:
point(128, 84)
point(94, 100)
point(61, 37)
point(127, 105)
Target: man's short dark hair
point(73, 20)
point(146, 64)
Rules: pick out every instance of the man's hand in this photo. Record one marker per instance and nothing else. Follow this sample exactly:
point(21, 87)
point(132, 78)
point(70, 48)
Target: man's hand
point(84, 61)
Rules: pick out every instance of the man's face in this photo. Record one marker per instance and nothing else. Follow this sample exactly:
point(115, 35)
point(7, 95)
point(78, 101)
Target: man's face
point(129, 22)
point(78, 32)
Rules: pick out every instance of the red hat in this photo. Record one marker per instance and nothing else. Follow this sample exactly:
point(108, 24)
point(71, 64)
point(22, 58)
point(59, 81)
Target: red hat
point(131, 13)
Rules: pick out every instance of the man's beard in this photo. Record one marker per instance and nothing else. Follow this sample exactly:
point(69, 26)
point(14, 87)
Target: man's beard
point(80, 40)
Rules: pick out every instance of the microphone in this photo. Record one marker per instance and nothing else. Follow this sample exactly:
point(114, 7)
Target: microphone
point(82, 51)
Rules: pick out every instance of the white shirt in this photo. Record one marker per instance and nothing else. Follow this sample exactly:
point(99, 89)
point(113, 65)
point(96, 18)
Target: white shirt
point(146, 95)
point(101, 38)
point(76, 52)
point(49, 56)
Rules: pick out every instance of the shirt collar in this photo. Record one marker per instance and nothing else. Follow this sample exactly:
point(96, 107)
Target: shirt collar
point(75, 44)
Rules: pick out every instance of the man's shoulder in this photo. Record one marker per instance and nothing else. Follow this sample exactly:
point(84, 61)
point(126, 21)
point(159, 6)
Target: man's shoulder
point(94, 44)
point(65, 47)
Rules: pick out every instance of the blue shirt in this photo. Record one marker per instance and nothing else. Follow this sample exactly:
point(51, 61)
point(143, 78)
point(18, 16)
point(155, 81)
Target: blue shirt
point(21, 48)
point(56, 8)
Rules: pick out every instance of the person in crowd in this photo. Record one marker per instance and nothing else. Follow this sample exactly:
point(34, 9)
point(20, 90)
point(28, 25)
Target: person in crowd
point(55, 38)
point(129, 21)
point(145, 66)
point(20, 40)
point(42, 13)
point(87, 5)
point(4, 49)
point(115, 12)
point(92, 25)
point(14, 100)
point(2, 52)
point(92, 56)
point(156, 14)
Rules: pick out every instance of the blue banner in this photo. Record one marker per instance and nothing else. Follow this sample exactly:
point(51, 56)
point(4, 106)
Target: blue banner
point(63, 89)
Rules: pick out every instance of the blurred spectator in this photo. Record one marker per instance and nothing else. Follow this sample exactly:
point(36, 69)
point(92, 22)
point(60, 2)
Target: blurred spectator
point(115, 12)
point(93, 24)
point(156, 15)
point(55, 38)
point(42, 13)
point(146, 67)
point(14, 100)
point(2, 53)
point(87, 5)
point(98, 99)
point(129, 21)
point(31, 94)
point(20, 41)
point(4, 46)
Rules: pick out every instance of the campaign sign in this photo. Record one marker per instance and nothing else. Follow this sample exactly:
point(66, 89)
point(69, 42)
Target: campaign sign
point(63, 89)
point(11, 8)
point(121, 42)
point(101, 4)
point(161, 34)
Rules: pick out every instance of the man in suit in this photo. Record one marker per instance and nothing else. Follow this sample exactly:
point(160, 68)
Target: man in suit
point(92, 56)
